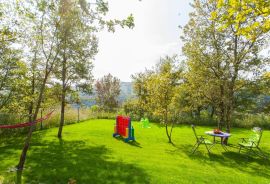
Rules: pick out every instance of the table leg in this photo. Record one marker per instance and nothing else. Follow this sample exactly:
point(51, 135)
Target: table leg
point(223, 145)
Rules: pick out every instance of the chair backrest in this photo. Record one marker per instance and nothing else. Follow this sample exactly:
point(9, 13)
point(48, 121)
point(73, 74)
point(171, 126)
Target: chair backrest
point(259, 132)
point(194, 131)
point(256, 137)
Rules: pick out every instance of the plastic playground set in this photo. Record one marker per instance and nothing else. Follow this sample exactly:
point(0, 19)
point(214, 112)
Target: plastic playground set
point(145, 123)
point(124, 128)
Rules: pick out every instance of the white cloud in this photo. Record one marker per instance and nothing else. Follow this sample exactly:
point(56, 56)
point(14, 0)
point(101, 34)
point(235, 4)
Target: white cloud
point(156, 34)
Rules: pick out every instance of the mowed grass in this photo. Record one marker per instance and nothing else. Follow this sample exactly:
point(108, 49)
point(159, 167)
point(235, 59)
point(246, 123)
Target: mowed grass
point(89, 154)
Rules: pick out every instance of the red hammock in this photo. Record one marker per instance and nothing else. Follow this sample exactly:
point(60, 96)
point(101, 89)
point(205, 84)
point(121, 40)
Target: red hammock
point(20, 125)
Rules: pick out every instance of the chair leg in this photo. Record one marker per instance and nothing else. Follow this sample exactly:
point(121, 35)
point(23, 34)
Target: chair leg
point(195, 147)
point(260, 150)
point(249, 152)
point(211, 146)
point(240, 149)
point(207, 148)
point(261, 153)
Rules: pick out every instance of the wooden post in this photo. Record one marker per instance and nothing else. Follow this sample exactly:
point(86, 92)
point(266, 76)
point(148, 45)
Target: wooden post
point(78, 118)
point(41, 126)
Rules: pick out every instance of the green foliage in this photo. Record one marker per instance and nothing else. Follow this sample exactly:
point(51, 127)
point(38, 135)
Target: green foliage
point(95, 108)
point(220, 63)
point(203, 120)
point(12, 80)
point(252, 120)
point(248, 18)
point(75, 98)
point(141, 91)
point(133, 109)
point(108, 90)
point(58, 29)
point(156, 91)
point(161, 87)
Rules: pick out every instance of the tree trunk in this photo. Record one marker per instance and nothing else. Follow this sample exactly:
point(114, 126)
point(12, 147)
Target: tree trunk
point(30, 112)
point(198, 113)
point(63, 97)
point(229, 111)
point(78, 117)
point(171, 132)
point(167, 132)
point(29, 135)
point(31, 106)
point(222, 108)
point(166, 126)
point(228, 123)
point(212, 112)
point(62, 119)
point(231, 86)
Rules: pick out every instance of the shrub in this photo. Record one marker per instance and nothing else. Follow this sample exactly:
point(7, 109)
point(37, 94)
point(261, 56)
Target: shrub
point(251, 120)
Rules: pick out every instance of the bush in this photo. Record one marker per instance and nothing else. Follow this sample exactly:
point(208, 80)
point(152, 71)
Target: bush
point(10, 119)
point(132, 108)
point(203, 119)
point(252, 120)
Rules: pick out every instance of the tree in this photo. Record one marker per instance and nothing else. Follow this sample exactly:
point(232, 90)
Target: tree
point(78, 46)
point(249, 18)
point(161, 87)
point(107, 91)
point(141, 92)
point(43, 24)
point(80, 21)
point(156, 91)
point(219, 60)
point(12, 68)
point(12, 79)
point(132, 109)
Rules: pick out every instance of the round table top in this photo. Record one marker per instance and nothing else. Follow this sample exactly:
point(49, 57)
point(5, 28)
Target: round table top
point(223, 134)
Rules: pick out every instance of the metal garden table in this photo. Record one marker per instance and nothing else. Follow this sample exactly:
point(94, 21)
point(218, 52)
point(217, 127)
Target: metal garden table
point(222, 136)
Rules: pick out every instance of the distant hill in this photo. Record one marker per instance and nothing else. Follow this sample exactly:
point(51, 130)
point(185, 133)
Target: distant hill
point(126, 93)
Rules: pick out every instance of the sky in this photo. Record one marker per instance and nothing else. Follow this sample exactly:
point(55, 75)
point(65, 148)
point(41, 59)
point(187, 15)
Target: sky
point(156, 34)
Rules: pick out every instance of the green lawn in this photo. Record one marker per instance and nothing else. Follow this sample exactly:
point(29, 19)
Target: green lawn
point(89, 154)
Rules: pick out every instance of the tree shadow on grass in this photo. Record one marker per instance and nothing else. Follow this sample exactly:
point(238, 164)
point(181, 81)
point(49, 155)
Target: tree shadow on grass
point(73, 160)
point(251, 164)
point(9, 148)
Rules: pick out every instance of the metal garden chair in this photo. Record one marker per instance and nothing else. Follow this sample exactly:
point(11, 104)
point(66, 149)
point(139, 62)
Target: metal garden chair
point(201, 140)
point(252, 143)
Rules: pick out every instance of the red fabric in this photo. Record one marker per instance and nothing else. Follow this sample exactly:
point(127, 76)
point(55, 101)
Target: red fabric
point(20, 125)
